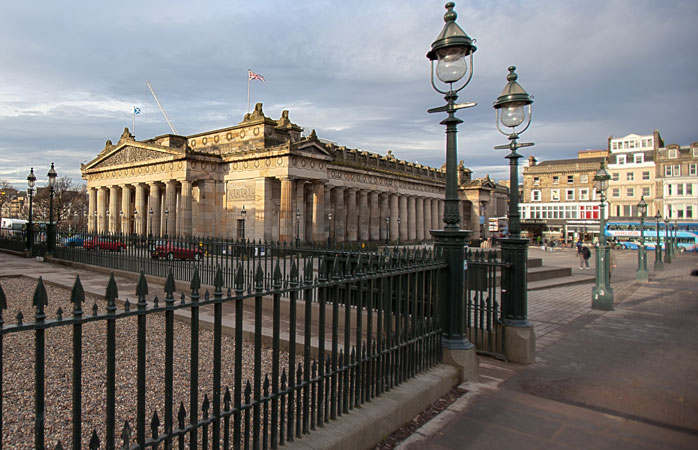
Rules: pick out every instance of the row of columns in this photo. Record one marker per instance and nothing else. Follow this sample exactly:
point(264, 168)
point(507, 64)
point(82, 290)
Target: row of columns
point(314, 210)
point(153, 211)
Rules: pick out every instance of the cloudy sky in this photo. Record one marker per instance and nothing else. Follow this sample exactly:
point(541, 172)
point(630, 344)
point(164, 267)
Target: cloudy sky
point(355, 71)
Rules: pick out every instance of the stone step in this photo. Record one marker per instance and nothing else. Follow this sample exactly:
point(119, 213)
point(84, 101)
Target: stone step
point(547, 272)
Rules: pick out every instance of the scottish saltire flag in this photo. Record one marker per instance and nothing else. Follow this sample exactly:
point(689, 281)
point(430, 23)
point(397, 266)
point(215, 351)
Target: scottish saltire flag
point(255, 76)
point(136, 110)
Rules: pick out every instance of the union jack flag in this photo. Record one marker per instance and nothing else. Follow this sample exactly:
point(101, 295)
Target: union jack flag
point(254, 76)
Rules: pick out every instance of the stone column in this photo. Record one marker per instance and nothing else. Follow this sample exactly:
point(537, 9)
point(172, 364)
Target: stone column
point(319, 212)
point(154, 206)
point(384, 209)
point(412, 218)
point(265, 227)
point(126, 208)
point(113, 209)
point(403, 218)
point(299, 224)
point(185, 208)
point(91, 221)
point(419, 201)
point(374, 217)
point(171, 207)
point(141, 208)
point(340, 215)
point(352, 219)
point(442, 203)
point(102, 210)
point(363, 215)
point(394, 214)
point(286, 212)
point(427, 218)
point(435, 217)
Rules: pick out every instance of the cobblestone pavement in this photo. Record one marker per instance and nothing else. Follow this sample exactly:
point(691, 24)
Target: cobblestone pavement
point(618, 379)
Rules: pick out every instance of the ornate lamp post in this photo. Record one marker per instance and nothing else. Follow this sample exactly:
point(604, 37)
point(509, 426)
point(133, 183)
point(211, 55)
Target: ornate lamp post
point(602, 294)
point(658, 264)
point(513, 107)
point(676, 236)
point(136, 223)
point(51, 240)
point(451, 51)
point(31, 181)
point(387, 231)
point(667, 242)
point(167, 215)
point(150, 228)
point(298, 227)
point(109, 224)
point(398, 231)
point(642, 274)
point(95, 230)
point(329, 230)
point(243, 216)
point(121, 222)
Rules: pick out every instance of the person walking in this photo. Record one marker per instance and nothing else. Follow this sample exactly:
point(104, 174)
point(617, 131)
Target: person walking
point(586, 254)
point(580, 254)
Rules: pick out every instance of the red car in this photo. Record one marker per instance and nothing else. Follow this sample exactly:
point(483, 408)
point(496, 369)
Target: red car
point(177, 250)
point(103, 243)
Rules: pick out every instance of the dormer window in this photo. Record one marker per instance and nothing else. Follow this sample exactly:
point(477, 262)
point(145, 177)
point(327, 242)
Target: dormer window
point(672, 153)
point(620, 159)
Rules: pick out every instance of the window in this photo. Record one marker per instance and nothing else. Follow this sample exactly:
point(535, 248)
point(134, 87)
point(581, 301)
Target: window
point(645, 175)
point(669, 189)
point(646, 191)
point(535, 196)
point(241, 229)
point(689, 189)
point(630, 176)
point(584, 179)
point(632, 144)
point(555, 195)
point(672, 153)
point(616, 192)
point(639, 158)
point(689, 211)
point(615, 176)
point(569, 195)
point(693, 169)
point(630, 192)
point(679, 189)
point(556, 179)
point(570, 179)
point(584, 194)
point(620, 159)
point(536, 180)
point(672, 170)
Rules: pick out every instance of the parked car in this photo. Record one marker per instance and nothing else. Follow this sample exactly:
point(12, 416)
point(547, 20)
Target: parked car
point(76, 240)
point(104, 243)
point(177, 250)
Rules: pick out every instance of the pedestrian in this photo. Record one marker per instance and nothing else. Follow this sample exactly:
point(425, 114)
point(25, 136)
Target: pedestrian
point(580, 254)
point(586, 254)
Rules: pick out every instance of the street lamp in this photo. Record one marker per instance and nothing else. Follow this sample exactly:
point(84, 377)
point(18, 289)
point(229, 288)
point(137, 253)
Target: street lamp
point(136, 223)
point(51, 241)
point(121, 221)
point(95, 230)
point(298, 227)
point(676, 236)
point(31, 181)
point(243, 215)
point(602, 294)
point(398, 230)
point(167, 215)
point(642, 274)
point(109, 227)
point(667, 242)
point(330, 229)
point(150, 216)
point(658, 264)
point(387, 231)
point(450, 50)
point(513, 108)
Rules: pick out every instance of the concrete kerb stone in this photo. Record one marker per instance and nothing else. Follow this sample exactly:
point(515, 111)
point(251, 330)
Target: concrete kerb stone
point(365, 427)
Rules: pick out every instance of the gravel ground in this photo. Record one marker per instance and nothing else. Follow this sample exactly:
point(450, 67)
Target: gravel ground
point(18, 370)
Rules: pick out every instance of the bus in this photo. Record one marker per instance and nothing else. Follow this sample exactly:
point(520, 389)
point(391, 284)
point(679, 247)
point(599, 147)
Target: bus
point(12, 227)
point(627, 235)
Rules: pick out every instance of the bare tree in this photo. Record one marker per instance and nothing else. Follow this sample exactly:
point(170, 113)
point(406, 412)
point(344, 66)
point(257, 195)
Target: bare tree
point(7, 194)
point(69, 204)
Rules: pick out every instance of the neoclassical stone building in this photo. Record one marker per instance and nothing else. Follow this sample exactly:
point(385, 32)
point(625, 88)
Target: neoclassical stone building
point(289, 186)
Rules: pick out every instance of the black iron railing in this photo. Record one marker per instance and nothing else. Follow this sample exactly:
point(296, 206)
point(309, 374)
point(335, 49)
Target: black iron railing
point(369, 322)
point(483, 320)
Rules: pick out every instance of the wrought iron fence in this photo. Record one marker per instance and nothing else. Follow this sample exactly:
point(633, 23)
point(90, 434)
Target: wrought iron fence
point(483, 320)
point(383, 328)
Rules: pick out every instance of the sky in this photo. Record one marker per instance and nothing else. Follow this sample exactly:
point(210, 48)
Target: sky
point(355, 71)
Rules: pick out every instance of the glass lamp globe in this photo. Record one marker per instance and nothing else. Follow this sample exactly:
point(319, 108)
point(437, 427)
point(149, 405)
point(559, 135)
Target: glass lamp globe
point(451, 65)
point(512, 115)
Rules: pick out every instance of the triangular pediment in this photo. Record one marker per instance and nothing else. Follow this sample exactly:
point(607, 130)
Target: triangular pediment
point(130, 155)
point(311, 148)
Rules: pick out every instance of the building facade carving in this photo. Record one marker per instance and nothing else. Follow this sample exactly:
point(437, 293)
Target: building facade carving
point(291, 187)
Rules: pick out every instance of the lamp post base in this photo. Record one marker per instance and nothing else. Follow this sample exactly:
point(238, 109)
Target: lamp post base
point(465, 361)
point(602, 294)
point(641, 274)
point(520, 344)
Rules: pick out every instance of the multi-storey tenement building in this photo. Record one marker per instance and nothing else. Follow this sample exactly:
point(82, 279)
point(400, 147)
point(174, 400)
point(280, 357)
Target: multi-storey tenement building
point(559, 200)
point(631, 163)
point(677, 170)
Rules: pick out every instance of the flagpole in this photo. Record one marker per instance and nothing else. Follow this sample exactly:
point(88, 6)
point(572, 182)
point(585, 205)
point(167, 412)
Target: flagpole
point(248, 91)
point(133, 127)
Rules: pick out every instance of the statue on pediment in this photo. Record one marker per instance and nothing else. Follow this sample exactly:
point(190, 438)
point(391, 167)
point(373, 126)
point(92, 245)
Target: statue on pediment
point(126, 135)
